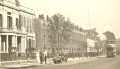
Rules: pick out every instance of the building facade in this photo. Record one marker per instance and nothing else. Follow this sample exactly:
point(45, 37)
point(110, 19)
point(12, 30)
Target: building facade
point(17, 37)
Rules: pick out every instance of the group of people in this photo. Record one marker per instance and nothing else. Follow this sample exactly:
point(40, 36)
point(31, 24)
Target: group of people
point(42, 57)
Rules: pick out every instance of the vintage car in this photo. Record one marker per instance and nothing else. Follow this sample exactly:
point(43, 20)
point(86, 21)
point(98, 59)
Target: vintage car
point(57, 59)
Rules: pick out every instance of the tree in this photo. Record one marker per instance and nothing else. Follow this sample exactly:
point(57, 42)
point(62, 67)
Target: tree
point(67, 29)
point(59, 30)
point(39, 30)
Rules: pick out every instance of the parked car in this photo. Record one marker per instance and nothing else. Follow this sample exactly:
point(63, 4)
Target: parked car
point(64, 59)
point(57, 59)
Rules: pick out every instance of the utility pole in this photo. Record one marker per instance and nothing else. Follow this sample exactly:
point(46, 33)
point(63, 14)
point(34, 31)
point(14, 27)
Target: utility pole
point(58, 43)
point(44, 35)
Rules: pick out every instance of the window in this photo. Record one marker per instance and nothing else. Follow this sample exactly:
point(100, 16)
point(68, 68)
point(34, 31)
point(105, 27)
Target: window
point(30, 25)
point(30, 43)
point(20, 22)
point(31, 28)
point(9, 21)
point(1, 20)
point(27, 25)
point(25, 22)
point(17, 23)
point(9, 43)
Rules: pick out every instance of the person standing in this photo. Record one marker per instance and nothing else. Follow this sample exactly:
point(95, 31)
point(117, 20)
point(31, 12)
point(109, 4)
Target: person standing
point(41, 57)
point(38, 57)
point(45, 56)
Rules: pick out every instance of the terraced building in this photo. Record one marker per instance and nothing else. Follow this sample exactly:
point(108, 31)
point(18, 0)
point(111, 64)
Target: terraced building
point(17, 37)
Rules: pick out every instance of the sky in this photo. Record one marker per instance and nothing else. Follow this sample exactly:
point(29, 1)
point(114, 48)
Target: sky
point(104, 15)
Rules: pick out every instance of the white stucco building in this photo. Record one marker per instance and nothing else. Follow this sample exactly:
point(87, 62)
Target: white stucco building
point(16, 30)
point(91, 46)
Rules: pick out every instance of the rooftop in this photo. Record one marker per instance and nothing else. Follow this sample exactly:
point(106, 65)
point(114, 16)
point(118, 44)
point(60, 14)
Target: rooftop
point(15, 4)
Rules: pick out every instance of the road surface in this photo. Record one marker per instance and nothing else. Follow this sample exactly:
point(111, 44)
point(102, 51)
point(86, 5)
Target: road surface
point(101, 63)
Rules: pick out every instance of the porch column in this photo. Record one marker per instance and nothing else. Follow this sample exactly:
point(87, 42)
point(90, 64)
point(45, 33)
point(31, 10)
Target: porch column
point(0, 49)
point(25, 43)
point(0, 43)
point(23, 46)
point(14, 41)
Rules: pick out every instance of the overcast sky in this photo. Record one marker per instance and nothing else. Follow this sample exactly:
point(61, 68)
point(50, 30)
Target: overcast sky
point(102, 14)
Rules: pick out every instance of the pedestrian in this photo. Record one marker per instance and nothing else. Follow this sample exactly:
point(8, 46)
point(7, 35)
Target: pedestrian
point(38, 57)
point(41, 57)
point(45, 56)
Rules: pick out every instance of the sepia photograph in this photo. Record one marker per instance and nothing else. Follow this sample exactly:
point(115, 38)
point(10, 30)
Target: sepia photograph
point(59, 34)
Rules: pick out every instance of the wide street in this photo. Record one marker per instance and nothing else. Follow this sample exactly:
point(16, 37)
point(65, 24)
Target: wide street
point(101, 63)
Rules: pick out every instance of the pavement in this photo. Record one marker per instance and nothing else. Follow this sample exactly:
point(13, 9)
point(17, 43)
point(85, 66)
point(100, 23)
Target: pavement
point(80, 60)
point(49, 62)
point(100, 63)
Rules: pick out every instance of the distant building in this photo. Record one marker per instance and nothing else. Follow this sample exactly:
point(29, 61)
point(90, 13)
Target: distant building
point(91, 46)
point(91, 36)
point(17, 36)
point(76, 44)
